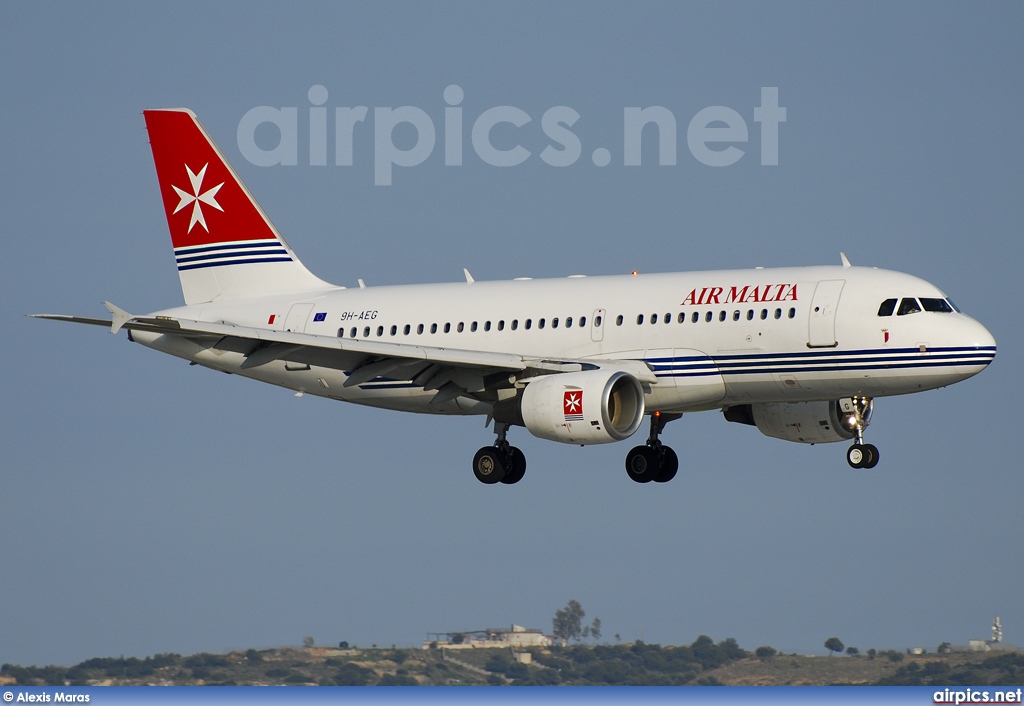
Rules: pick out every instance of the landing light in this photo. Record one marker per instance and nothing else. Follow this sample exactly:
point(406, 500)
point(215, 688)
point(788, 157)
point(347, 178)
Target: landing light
point(635, 272)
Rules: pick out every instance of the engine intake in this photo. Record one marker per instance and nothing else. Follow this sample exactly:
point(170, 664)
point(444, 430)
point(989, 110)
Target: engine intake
point(804, 422)
point(589, 407)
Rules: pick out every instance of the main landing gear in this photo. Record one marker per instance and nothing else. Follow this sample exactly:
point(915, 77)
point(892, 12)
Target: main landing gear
point(653, 461)
point(858, 416)
point(500, 463)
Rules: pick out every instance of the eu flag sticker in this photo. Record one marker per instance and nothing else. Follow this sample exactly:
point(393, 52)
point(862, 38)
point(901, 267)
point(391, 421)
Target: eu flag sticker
point(320, 316)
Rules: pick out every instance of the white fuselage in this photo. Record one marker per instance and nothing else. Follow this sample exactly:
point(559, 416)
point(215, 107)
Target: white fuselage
point(713, 339)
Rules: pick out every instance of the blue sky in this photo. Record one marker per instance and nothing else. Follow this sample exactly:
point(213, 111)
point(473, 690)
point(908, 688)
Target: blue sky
point(146, 506)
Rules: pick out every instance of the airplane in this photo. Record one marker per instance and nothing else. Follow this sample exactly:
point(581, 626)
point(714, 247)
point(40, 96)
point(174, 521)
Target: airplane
point(800, 353)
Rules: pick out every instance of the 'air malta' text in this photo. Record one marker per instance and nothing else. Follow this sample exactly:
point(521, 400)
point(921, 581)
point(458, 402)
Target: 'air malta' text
point(741, 295)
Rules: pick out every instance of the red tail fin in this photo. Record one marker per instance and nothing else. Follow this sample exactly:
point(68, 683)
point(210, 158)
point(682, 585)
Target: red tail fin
point(224, 244)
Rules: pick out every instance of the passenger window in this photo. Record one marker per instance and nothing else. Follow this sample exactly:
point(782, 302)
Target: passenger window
point(352, 333)
point(618, 320)
point(501, 325)
point(721, 316)
point(515, 324)
point(764, 314)
point(487, 326)
point(708, 316)
point(908, 306)
point(460, 327)
point(540, 324)
point(736, 315)
point(639, 318)
point(405, 331)
point(529, 324)
point(887, 307)
point(341, 333)
point(668, 318)
point(695, 318)
point(380, 330)
point(583, 321)
point(366, 332)
point(597, 321)
point(682, 317)
point(568, 322)
point(394, 330)
point(778, 313)
point(447, 328)
point(419, 329)
point(750, 314)
point(472, 327)
point(433, 328)
point(936, 305)
point(554, 322)
point(654, 318)
point(792, 312)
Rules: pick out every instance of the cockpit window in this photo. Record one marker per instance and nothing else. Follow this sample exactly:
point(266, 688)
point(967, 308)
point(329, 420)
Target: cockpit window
point(888, 306)
point(953, 304)
point(938, 305)
point(908, 306)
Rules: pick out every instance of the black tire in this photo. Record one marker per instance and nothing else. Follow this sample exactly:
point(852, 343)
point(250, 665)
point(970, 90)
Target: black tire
point(488, 466)
point(642, 464)
point(871, 453)
point(669, 465)
point(516, 466)
point(856, 456)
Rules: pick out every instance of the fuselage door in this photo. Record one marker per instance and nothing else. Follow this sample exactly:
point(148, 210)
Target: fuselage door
point(821, 329)
point(597, 326)
point(297, 317)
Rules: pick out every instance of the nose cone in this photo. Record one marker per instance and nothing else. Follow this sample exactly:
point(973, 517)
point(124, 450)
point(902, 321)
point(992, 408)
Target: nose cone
point(975, 342)
point(982, 337)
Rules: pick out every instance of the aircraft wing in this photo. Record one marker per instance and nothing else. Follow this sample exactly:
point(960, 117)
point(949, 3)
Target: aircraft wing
point(451, 371)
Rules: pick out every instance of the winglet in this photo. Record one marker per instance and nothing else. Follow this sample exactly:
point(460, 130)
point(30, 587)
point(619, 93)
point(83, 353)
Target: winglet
point(120, 316)
point(846, 261)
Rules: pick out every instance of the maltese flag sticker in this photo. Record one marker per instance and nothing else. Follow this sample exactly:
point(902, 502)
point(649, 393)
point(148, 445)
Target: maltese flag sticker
point(573, 405)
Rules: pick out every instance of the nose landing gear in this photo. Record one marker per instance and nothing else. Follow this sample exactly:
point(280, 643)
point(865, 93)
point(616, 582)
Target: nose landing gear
point(653, 461)
point(858, 416)
point(500, 463)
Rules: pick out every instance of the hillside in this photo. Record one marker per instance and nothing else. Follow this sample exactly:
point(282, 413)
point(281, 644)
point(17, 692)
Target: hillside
point(701, 663)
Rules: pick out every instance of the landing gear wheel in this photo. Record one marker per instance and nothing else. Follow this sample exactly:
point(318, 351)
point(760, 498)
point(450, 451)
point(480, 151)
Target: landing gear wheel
point(871, 456)
point(669, 465)
point(642, 464)
point(488, 466)
point(856, 456)
point(516, 466)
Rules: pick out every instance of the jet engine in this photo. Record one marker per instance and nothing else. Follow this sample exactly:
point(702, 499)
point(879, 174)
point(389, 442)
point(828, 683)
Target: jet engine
point(589, 407)
point(805, 422)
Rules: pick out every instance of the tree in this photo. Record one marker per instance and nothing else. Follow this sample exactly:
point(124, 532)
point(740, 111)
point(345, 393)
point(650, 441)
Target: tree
point(567, 623)
point(834, 644)
point(765, 652)
point(595, 629)
point(308, 641)
point(852, 651)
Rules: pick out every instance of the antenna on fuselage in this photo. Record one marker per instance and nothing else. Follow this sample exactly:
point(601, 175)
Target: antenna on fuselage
point(846, 260)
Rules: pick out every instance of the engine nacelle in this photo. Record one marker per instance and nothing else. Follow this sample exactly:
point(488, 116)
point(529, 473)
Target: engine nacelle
point(804, 422)
point(590, 407)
